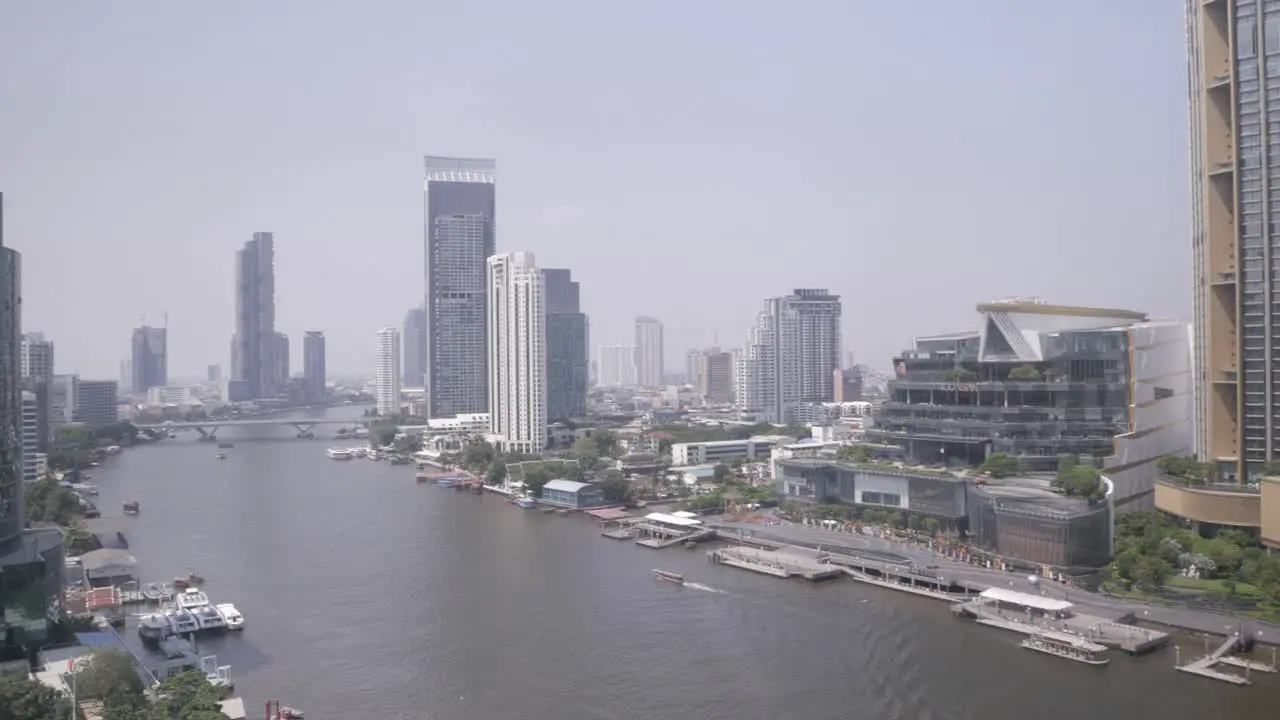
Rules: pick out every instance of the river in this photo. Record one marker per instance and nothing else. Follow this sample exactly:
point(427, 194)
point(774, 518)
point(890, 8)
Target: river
point(368, 595)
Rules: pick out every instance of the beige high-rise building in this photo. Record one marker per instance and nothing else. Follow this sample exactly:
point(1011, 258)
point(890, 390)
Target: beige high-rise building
point(1234, 93)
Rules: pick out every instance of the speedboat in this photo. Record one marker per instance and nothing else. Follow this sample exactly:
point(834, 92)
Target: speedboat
point(524, 502)
point(132, 507)
point(208, 617)
point(191, 599)
point(360, 452)
point(340, 454)
point(232, 616)
point(668, 576)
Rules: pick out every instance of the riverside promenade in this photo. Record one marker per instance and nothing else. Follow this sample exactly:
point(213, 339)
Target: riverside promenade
point(1205, 621)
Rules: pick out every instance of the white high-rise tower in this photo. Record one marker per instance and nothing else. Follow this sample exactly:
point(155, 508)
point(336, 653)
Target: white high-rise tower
point(387, 379)
point(517, 353)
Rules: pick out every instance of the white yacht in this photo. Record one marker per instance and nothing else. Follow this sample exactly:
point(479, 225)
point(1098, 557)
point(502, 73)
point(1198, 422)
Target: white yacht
point(182, 622)
point(191, 598)
point(340, 454)
point(360, 451)
point(209, 618)
point(232, 616)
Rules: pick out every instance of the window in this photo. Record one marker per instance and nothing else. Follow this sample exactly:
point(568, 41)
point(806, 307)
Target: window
point(1271, 34)
point(1246, 38)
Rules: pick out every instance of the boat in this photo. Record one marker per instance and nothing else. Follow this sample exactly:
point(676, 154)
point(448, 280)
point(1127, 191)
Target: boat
point(1067, 646)
point(154, 627)
point(182, 622)
point(222, 456)
point(232, 616)
point(446, 482)
point(209, 618)
point(226, 446)
point(191, 599)
point(276, 711)
point(423, 477)
point(399, 460)
point(132, 507)
point(340, 454)
point(373, 455)
point(360, 452)
point(668, 576)
point(523, 502)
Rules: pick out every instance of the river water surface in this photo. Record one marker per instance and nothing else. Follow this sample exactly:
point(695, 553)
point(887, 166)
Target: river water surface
point(368, 595)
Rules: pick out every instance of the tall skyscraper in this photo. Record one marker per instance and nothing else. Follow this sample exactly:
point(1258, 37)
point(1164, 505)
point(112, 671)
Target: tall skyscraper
point(253, 360)
point(1235, 139)
point(693, 360)
point(617, 366)
point(150, 365)
point(792, 353)
point(281, 360)
point(387, 378)
point(11, 485)
point(30, 436)
point(459, 240)
point(414, 340)
point(568, 355)
point(649, 357)
point(313, 370)
point(37, 377)
point(97, 402)
point(517, 353)
point(716, 376)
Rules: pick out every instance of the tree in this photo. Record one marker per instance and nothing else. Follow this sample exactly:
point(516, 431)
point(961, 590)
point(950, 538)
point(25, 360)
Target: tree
point(574, 472)
point(189, 696)
point(108, 675)
point(79, 539)
point(478, 455)
point(496, 472)
point(854, 453)
point(1000, 465)
point(606, 442)
point(535, 478)
point(1080, 481)
point(931, 526)
point(1025, 373)
point(23, 699)
point(47, 501)
point(615, 490)
point(722, 474)
point(1150, 573)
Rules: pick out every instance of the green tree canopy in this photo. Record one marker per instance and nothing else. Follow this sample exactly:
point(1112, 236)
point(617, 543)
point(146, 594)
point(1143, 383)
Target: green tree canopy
point(1000, 465)
point(23, 699)
point(615, 490)
point(189, 696)
point(535, 478)
point(47, 501)
point(108, 675)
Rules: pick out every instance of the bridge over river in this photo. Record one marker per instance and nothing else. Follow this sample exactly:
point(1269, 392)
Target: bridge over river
point(208, 429)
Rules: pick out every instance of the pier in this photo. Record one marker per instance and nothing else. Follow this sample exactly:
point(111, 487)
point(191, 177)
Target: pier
point(1033, 615)
point(776, 563)
point(1207, 666)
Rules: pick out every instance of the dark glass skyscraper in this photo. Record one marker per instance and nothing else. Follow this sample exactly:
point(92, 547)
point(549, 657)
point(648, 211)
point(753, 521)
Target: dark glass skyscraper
point(150, 358)
point(11, 509)
point(459, 241)
point(568, 358)
point(313, 368)
point(414, 340)
point(255, 345)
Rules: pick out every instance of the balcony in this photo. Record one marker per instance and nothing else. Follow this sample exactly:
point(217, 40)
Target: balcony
point(1224, 376)
point(1222, 167)
point(1220, 80)
point(1223, 278)
point(1217, 503)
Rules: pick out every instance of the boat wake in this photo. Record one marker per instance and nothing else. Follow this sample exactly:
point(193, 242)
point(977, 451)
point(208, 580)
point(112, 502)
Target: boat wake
point(703, 588)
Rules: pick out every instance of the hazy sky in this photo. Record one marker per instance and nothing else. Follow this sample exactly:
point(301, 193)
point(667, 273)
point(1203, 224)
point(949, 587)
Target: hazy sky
point(685, 158)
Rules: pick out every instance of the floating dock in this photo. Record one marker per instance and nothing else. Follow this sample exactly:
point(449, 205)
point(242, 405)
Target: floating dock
point(1033, 615)
point(775, 563)
point(1207, 666)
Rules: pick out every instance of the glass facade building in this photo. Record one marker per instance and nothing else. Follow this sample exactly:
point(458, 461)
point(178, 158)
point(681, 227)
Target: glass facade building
point(1042, 382)
point(568, 359)
point(11, 484)
point(459, 240)
point(31, 586)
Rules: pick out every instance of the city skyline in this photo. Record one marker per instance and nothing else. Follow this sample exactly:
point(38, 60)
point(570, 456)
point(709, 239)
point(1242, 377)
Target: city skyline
point(586, 173)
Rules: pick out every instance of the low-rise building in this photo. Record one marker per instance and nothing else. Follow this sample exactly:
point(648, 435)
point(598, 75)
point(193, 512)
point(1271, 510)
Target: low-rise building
point(715, 451)
point(1020, 518)
point(570, 494)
